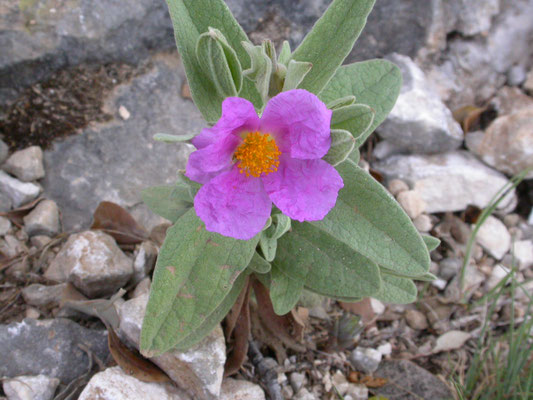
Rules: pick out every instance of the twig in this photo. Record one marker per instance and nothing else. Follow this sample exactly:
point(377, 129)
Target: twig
point(267, 375)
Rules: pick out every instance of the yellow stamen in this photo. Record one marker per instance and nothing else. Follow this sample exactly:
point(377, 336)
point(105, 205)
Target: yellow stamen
point(257, 155)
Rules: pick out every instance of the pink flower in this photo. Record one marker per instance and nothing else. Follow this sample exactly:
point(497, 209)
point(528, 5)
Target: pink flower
point(246, 163)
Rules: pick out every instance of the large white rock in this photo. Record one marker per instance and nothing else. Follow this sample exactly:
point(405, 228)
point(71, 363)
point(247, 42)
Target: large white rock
point(27, 164)
point(198, 370)
point(93, 262)
point(523, 253)
point(507, 144)
point(43, 219)
point(419, 122)
point(115, 384)
point(38, 387)
point(494, 237)
point(447, 182)
point(18, 192)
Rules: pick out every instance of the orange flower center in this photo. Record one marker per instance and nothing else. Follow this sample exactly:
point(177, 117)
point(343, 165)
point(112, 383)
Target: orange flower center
point(257, 155)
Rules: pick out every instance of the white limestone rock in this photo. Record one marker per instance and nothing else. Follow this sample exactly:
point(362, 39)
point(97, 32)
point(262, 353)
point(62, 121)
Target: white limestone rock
point(26, 165)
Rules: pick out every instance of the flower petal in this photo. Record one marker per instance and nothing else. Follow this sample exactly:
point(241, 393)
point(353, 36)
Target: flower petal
point(300, 122)
point(237, 115)
point(233, 205)
point(208, 162)
point(304, 190)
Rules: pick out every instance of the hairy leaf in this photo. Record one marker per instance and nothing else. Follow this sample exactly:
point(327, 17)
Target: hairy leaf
point(195, 271)
point(191, 18)
point(331, 40)
point(284, 291)
point(269, 237)
point(324, 264)
point(296, 72)
point(260, 71)
point(355, 118)
point(342, 144)
point(369, 220)
point(259, 264)
point(342, 102)
point(396, 290)
point(375, 83)
point(170, 202)
point(431, 242)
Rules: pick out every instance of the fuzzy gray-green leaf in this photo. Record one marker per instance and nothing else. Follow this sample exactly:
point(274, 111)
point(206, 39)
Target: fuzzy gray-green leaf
point(396, 290)
point(355, 118)
point(259, 265)
point(342, 144)
point(369, 220)
point(269, 237)
point(170, 202)
point(285, 54)
point(190, 19)
point(284, 291)
point(296, 72)
point(310, 255)
point(431, 242)
point(331, 40)
point(375, 83)
point(260, 71)
point(342, 102)
point(195, 271)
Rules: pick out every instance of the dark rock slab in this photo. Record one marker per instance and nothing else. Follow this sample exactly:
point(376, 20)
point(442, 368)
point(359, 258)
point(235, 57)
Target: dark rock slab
point(114, 161)
point(49, 347)
point(408, 381)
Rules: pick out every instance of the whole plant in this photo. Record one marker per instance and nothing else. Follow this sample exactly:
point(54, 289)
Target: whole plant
point(273, 196)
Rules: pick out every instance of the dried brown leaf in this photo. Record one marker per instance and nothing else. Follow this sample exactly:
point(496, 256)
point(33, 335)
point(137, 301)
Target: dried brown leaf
point(131, 362)
point(16, 216)
point(362, 308)
point(117, 222)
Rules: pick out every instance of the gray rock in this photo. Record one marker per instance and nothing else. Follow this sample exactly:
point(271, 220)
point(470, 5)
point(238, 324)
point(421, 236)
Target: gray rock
point(523, 253)
point(115, 384)
point(494, 237)
point(18, 192)
point(447, 182)
point(498, 273)
point(528, 84)
point(38, 387)
point(472, 17)
point(396, 186)
point(93, 262)
point(516, 75)
point(423, 223)
point(40, 295)
point(419, 121)
point(234, 389)
point(4, 151)
point(297, 380)
point(5, 226)
point(40, 37)
point(39, 241)
point(449, 268)
point(5, 202)
point(304, 394)
point(507, 144)
point(365, 359)
point(49, 347)
point(356, 392)
point(144, 261)
point(26, 165)
point(471, 71)
point(12, 247)
point(415, 381)
point(509, 100)
point(198, 370)
point(114, 161)
point(43, 219)
point(143, 287)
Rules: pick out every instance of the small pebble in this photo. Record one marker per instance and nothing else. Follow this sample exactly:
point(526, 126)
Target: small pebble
point(365, 359)
point(416, 320)
point(396, 186)
point(26, 165)
point(412, 203)
point(297, 380)
point(5, 226)
point(124, 113)
point(423, 223)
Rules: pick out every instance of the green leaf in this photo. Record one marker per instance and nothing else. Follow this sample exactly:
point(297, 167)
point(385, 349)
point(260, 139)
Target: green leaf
point(369, 220)
point(331, 40)
point(342, 144)
point(309, 255)
point(396, 290)
point(354, 157)
point(215, 317)
point(296, 72)
point(269, 237)
point(427, 277)
point(431, 242)
point(284, 291)
point(343, 101)
point(356, 118)
point(195, 271)
point(338, 298)
point(259, 265)
point(219, 62)
point(376, 83)
point(285, 54)
point(170, 202)
point(260, 70)
point(191, 18)
point(167, 138)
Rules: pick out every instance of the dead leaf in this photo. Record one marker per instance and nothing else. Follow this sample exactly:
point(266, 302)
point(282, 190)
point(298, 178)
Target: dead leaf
point(159, 232)
point(451, 340)
point(117, 222)
point(362, 308)
point(343, 331)
point(240, 333)
point(469, 117)
point(367, 380)
point(16, 216)
point(131, 362)
point(286, 328)
point(231, 319)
